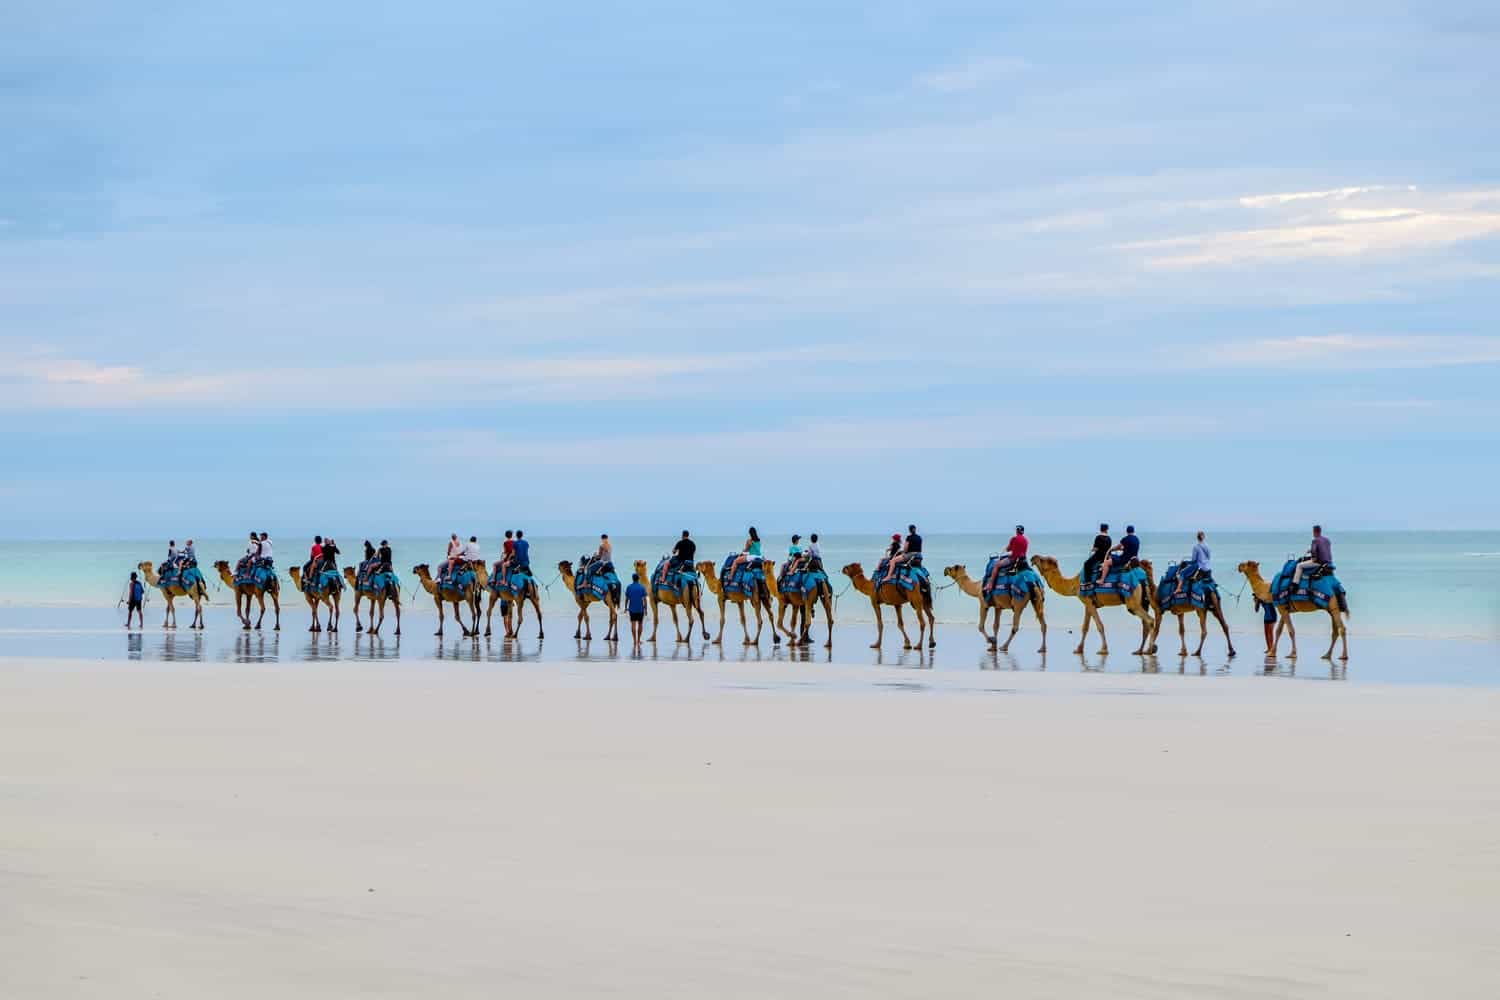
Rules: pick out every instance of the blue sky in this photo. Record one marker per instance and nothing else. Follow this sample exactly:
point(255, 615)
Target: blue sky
point(636, 266)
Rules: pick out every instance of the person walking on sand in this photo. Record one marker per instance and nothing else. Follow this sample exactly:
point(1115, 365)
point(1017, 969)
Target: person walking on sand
point(135, 597)
point(1268, 622)
point(635, 604)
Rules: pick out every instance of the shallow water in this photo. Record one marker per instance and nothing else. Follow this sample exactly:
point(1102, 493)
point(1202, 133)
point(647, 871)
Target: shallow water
point(54, 633)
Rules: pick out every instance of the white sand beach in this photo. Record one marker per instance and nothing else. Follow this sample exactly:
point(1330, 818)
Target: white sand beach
point(702, 830)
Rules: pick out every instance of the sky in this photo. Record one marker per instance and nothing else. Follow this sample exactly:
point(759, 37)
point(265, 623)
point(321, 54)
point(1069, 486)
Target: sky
point(634, 267)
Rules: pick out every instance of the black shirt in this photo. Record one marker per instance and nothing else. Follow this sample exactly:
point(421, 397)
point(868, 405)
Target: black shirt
point(385, 556)
point(685, 549)
point(1102, 544)
point(913, 542)
point(330, 554)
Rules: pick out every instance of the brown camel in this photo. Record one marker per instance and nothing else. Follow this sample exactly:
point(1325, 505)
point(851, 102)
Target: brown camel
point(532, 593)
point(331, 597)
point(890, 593)
point(801, 605)
point(1262, 589)
point(198, 595)
point(1182, 610)
point(1000, 602)
point(760, 602)
point(377, 599)
point(691, 600)
point(585, 629)
point(1138, 602)
point(467, 597)
point(244, 593)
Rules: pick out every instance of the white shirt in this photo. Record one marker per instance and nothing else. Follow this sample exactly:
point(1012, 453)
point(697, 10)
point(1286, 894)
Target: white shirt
point(813, 551)
point(471, 552)
point(265, 548)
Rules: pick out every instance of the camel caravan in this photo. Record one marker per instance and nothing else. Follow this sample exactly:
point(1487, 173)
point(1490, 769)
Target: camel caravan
point(788, 597)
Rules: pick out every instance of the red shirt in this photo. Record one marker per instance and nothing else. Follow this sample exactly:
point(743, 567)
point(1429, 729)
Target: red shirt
point(317, 551)
point(1017, 548)
point(509, 546)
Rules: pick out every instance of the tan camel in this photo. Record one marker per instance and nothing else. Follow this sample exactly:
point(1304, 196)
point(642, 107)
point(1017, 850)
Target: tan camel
point(198, 595)
point(1262, 590)
point(890, 593)
point(1138, 602)
point(585, 630)
point(532, 594)
point(331, 597)
point(377, 601)
point(1182, 610)
point(758, 602)
point(1000, 602)
point(244, 593)
point(801, 605)
point(467, 597)
point(691, 600)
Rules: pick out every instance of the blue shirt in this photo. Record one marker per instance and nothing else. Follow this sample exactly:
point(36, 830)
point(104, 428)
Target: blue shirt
point(522, 549)
point(635, 599)
point(136, 590)
point(1130, 547)
point(1200, 559)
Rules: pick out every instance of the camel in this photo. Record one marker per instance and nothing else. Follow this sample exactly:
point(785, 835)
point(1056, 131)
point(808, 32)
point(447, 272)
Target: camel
point(1138, 602)
point(244, 593)
point(1000, 602)
point(469, 596)
point(711, 579)
point(331, 597)
point(1182, 610)
point(198, 595)
point(1262, 589)
point(532, 593)
point(890, 593)
point(585, 629)
point(691, 600)
point(801, 604)
point(377, 599)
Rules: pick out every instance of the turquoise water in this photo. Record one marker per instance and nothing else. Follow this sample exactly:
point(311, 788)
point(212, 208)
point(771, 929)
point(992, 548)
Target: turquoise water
point(1417, 584)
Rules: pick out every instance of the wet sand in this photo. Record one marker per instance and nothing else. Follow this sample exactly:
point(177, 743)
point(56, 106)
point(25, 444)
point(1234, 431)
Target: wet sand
point(563, 829)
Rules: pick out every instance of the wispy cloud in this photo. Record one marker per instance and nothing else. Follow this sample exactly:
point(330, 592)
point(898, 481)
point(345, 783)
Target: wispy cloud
point(1343, 351)
point(971, 75)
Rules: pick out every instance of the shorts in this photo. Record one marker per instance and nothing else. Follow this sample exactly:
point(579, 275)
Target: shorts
point(133, 606)
point(1268, 614)
point(637, 616)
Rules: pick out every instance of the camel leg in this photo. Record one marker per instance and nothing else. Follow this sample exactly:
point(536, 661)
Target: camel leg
point(1083, 630)
point(1015, 626)
point(656, 615)
point(744, 622)
point(828, 613)
point(1041, 620)
point(1336, 631)
point(397, 602)
point(1218, 612)
point(932, 624)
point(723, 613)
point(614, 622)
point(703, 618)
point(677, 628)
point(1343, 635)
point(261, 598)
point(1202, 632)
point(358, 600)
point(276, 603)
point(1291, 631)
point(984, 616)
point(489, 615)
point(441, 614)
point(901, 625)
point(879, 625)
point(536, 602)
point(1181, 632)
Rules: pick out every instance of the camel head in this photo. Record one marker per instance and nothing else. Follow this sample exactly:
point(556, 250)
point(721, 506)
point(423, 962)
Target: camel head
point(222, 565)
point(640, 568)
point(349, 574)
point(421, 571)
point(145, 567)
point(1045, 564)
point(854, 571)
point(956, 571)
point(706, 568)
point(565, 568)
point(1248, 566)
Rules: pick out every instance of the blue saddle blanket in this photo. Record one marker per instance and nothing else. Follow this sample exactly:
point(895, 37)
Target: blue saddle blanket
point(176, 575)
point(258, 574)
point(678, 579)
point(908, 576)
point(1018, 582)
point(746, 579)
point(1200, 594)
point(596, 580)
point(370, 579)
point(1319, 590)
point(1120, 582)
point(807, 581)
point(514, 583)
point(325, 581)
point(458, 581)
